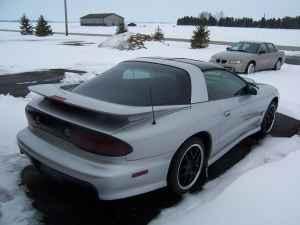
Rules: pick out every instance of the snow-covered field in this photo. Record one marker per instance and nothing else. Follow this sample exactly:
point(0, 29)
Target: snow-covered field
point(261, 189)
point(278, 36)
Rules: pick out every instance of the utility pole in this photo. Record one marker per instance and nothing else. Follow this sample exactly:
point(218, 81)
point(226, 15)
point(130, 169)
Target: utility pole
point(66, 18)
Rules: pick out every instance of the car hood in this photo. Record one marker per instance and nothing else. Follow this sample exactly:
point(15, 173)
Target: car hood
point(233, 55)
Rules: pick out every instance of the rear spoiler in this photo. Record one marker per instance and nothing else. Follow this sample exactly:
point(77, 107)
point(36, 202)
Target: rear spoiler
point(59, 93)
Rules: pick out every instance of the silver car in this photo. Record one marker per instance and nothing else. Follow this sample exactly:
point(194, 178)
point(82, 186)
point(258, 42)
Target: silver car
point(248, 57)
point(145, 124)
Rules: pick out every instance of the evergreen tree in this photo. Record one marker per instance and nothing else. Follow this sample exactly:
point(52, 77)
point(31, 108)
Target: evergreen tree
point(42, 28)
point(121, 29)
point(158, 35)
point(200, 37)
point(25, 27)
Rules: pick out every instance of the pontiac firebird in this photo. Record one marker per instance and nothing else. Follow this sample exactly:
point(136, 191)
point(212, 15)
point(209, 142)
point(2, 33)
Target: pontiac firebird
point(145, 124)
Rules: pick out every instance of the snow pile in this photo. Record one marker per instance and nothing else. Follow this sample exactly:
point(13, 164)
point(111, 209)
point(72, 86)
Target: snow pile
point(74, 78)
point(118, 41)
point(265, 195)
point(15, 208)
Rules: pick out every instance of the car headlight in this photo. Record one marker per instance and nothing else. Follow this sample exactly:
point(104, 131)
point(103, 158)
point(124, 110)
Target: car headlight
point(234, 61)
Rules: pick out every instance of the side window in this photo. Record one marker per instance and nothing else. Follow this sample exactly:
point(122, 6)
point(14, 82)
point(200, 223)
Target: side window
point(263, 48)
point(222, 84)
point(271, 47)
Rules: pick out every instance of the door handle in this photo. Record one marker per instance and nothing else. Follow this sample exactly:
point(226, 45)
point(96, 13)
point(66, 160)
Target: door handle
point(227, 113)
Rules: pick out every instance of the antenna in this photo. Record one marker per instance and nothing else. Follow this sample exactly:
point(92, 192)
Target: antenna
point(152, 107)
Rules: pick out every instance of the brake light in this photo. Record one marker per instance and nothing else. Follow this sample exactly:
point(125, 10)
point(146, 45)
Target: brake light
point(100, 144)
point(86, 139)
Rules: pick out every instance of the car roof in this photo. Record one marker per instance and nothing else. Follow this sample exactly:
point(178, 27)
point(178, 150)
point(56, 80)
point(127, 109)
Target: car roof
point(255, 42)
point(202, 65)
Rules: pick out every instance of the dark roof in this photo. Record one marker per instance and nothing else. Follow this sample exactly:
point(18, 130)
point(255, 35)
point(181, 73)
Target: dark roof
point(202, 65)
point(98, 15)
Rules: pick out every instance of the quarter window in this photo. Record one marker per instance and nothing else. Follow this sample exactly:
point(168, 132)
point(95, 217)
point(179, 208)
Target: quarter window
point(222, 84)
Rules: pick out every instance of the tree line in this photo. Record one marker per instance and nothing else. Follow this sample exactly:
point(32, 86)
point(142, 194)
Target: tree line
point(281, 23)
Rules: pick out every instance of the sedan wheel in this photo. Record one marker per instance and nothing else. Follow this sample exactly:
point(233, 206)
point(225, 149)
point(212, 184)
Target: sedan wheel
point(250, 68)
point(278, 65)
point(188, 166)
point(269, 120)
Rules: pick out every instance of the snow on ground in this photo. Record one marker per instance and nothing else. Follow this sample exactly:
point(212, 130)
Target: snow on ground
point(252, 192)
point(28, 53)
point(15, 207)
point(265, 195)
point(278, 36)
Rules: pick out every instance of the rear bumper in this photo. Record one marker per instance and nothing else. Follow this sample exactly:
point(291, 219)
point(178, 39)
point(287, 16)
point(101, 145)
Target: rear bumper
point(111, 180)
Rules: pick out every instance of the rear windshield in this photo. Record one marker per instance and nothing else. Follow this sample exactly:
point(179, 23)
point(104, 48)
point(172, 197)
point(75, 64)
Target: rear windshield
point(130, 83)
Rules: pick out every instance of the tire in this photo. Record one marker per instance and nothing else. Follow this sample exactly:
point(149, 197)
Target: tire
point(268, 120)
point(278, 65)
point(250, 68)
point(188, 169)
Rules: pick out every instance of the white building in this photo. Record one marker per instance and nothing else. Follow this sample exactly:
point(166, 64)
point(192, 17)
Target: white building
point(102, 19)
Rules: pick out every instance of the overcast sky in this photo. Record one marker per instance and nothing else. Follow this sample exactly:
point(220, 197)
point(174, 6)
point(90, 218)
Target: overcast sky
point(148, 10)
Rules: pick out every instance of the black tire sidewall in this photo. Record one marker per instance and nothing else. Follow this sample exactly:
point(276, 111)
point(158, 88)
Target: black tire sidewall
point(263, 132)
point(247, 68)
point(275, 67)
point(175, 163)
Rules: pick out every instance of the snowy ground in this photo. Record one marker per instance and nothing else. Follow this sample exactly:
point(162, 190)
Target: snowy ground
point(278, 36)
point(261, 189)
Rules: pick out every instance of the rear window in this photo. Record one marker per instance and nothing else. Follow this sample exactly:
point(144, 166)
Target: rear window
point(130, 83)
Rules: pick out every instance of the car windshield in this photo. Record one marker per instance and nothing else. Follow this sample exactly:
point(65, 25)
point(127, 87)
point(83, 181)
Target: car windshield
point(245, 47)
point(134, 83)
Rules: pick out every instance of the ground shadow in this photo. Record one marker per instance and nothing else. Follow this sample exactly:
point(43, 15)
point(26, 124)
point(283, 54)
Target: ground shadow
point(17, 84)
point(65, 203)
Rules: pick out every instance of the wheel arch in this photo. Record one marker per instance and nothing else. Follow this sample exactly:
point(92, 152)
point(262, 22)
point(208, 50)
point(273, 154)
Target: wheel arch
point(251, 61)
point(206, 139)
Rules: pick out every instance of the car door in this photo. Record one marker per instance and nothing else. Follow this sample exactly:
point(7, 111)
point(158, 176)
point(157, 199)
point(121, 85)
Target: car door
point(263, 58)
point(226, 89)
point(273, 54)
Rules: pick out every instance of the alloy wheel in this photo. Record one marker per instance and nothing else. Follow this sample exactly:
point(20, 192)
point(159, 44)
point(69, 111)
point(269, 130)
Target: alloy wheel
point(269, 119)
point(190, 166)
point(251, 68)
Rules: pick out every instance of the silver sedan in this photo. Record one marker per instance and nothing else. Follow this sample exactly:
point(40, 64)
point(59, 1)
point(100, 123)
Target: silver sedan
point(248, 57)
point(145, 124)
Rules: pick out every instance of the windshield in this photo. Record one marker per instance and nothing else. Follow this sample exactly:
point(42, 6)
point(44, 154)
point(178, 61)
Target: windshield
point(245, 47)
point(130, 83)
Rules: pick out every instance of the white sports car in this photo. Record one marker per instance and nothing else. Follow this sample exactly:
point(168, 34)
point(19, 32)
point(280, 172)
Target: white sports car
point(144, 124)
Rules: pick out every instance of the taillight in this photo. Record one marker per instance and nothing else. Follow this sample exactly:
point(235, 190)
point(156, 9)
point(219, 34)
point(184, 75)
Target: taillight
point(30, 117)
point(86, 139)
point(100, 144)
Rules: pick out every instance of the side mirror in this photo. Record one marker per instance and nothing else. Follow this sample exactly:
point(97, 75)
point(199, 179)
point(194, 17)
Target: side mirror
point(251, 90)
point(262, 52)
point(228, 48)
